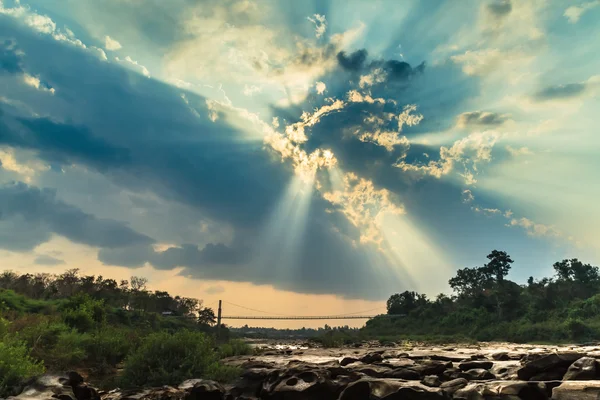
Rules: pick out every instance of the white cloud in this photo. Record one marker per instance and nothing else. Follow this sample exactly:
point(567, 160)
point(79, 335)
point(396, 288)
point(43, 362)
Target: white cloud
point(139, 66)
point(364, 206)
point(574, 13)
point(320, 87)
point(35, 82)
point(10, 162)
point(534, 229)
point(469, 152)
point(101, 53)
point(320, 24)
point(41, 23)
point(111, 44)
point(296, 131)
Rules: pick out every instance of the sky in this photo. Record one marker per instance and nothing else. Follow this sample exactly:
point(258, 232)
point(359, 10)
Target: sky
point(298, 157)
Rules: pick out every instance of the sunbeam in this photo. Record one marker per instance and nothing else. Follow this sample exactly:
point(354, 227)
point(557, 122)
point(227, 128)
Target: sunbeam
point(283, 233)
point(417, 255)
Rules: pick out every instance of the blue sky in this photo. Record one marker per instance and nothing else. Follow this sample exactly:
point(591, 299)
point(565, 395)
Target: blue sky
point(337, 150)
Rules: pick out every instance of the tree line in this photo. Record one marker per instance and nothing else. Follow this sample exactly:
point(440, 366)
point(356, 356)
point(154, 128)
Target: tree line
point(485, 305)
point(129, 295)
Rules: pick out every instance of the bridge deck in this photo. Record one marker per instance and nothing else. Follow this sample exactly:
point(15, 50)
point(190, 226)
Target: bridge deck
point(310, 317)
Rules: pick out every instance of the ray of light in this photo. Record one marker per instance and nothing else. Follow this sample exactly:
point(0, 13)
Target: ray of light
point(283, 234)
point(419, 257)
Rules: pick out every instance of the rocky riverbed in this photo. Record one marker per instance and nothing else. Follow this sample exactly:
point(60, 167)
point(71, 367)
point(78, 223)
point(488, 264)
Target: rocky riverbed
point(370, 371)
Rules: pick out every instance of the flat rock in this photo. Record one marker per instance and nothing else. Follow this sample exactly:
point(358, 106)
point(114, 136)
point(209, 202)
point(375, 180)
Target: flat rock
point(577, 390)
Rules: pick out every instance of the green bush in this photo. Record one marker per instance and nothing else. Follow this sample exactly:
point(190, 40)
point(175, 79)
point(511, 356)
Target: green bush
point(16, 365)
point(108, 347)
point(169, 359)
point(234, 347)
point(83, 313)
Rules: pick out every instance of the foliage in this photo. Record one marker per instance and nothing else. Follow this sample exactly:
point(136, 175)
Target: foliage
point(70, 321)
point(234, 347)
point(487, 306)
point(165, 358)
point(16, 365)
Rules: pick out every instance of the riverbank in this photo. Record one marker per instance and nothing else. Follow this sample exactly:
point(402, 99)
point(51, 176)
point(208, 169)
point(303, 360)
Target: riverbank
point(368, 371)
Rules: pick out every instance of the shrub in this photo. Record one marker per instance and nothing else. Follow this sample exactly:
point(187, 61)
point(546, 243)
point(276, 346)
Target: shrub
point(234, 347)
point(83, 313)
point(169, 359)
point(16, 365)
point(108, 347)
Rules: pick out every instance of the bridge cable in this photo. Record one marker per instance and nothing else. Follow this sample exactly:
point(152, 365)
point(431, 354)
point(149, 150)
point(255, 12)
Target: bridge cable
point(359, 312)
point(252, 309)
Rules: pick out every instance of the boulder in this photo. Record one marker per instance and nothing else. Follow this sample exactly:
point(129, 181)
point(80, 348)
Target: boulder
point(477, 374)
point(465, 366)
point(200, 389)
point(68, 387)
point(547, 367)
point(431, 367)
point(577, 390)
point(431, 381)
point(390, 390)
point(452, 386)
point(582, 370)
point(371, 358)
point(451, 374)
point(503, 390)
point(348, 360)
point(300, 383)
point(500, 356)
point(403, 373)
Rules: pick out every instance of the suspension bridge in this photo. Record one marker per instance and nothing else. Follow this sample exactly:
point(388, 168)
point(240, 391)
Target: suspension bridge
point(274, 316)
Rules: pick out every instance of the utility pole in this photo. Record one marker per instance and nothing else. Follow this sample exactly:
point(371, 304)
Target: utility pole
point(219, 320)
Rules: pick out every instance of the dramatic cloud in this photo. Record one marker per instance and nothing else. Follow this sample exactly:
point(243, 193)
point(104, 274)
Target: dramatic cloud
point(42, 208)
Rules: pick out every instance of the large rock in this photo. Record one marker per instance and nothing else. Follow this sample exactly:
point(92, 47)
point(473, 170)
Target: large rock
point(348, 360)
point(582, 370)
point(547, 367)
point(503, 390)
point(477, 374)
point(431, 367)
point(68, 387)
point(577, 390)
point(390, 390)
point(300, 383)
point(372, 358)
point(452, 386)
point(200, 389)
point(431, 381)
point(465, 366)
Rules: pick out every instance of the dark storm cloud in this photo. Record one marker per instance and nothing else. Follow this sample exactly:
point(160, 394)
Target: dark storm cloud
point(44, 212)
point(10, 59)
point(63, 143)
point(48, 260)
point(499, 8)
point(139, 133)
point(354, 61)
point(560, 91)
point(395, 70)
point(481, 118)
